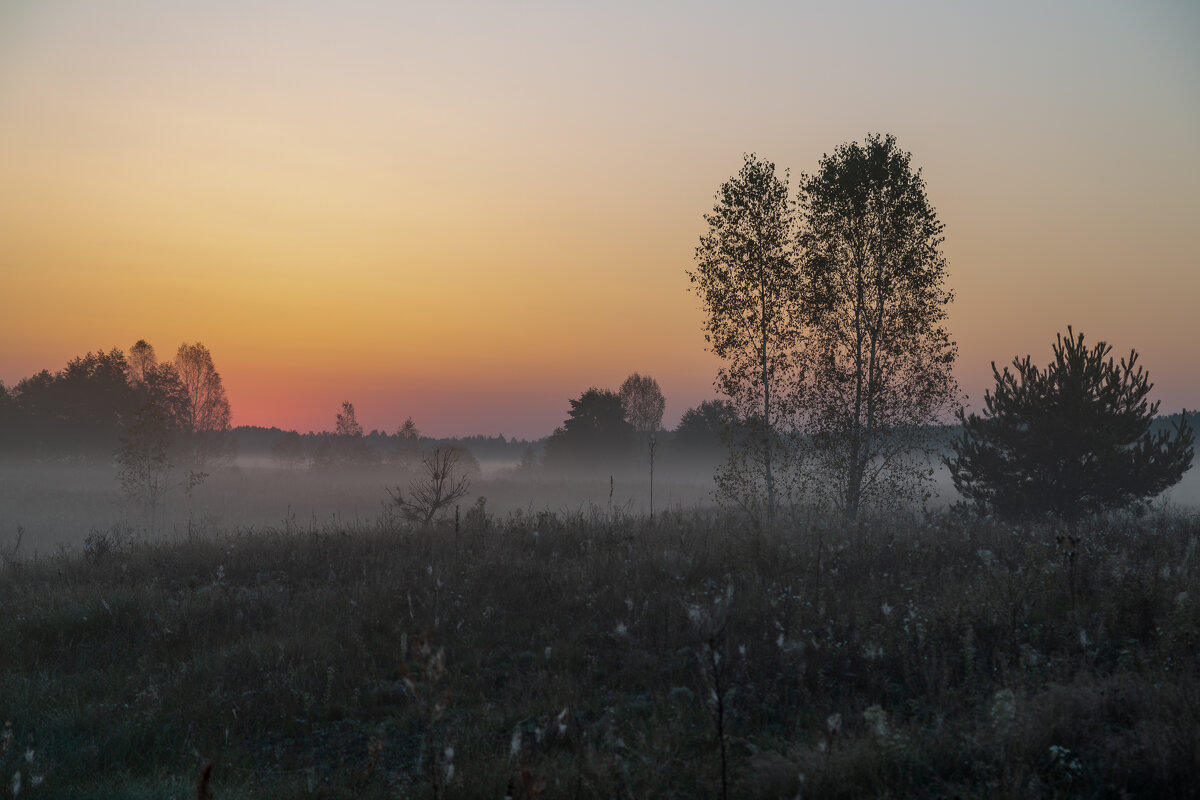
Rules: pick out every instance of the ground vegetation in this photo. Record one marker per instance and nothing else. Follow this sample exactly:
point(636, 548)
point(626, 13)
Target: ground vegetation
point(593, 654)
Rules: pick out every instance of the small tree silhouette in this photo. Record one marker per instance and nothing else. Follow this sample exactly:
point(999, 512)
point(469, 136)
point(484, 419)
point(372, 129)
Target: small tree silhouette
point(643, 401)
point(1067, 441)
point(407, 448)
point(443, 483)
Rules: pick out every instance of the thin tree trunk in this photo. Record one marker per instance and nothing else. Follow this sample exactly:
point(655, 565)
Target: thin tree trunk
point(767, 418)
point(853, 471)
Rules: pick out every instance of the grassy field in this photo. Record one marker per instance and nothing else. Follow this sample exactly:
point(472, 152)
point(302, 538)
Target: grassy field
point(598, 655)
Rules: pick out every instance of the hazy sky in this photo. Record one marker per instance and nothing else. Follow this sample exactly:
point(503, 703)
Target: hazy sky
point(471, 212)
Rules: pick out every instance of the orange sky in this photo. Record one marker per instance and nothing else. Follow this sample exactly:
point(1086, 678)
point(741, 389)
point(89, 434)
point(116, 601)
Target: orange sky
point(469, 214)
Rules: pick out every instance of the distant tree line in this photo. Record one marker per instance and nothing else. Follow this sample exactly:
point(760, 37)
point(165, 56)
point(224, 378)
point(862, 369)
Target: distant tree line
point(600, 435)
point(348, 446)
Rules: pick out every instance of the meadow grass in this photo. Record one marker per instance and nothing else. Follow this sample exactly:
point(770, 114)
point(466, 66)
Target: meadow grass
point(595, 654)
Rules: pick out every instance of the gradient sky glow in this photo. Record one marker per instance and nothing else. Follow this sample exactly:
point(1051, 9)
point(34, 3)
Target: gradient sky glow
point(470, 212)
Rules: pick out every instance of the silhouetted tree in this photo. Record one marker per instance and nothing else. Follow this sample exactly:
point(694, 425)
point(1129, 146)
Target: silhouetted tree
point(1069, 440)
point(445, 481)
point(595, 434)
point(208, 408)
point(208, 413)
point(142, 359)
point(346, 446)
point(347, 422)
point(644, 405)
point(877, 355)
point(643, 402)
point(746, 277)
point(407, 448)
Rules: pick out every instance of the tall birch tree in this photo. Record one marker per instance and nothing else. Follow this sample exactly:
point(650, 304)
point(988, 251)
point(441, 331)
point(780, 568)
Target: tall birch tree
point(746, 278)
point(878, 358)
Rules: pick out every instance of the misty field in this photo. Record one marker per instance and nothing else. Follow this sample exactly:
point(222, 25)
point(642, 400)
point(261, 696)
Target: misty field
point(596, 653)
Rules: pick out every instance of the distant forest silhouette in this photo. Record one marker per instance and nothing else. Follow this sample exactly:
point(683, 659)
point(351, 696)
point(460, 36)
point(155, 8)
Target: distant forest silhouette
point(82, 411)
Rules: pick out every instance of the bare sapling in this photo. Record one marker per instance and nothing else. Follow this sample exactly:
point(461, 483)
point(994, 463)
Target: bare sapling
point(442, 483)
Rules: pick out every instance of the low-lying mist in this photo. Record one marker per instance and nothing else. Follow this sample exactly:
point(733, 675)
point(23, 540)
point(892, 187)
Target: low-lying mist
point(48, 506)
point(57, 505)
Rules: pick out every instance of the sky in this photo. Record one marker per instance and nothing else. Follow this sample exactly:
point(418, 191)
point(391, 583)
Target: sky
point(468, 213)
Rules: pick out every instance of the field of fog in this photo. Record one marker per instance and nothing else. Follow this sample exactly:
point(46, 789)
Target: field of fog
point(48, 507)
point(58, 505)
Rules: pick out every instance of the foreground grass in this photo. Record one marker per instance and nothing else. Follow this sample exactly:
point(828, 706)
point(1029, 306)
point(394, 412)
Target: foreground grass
point(590, 655)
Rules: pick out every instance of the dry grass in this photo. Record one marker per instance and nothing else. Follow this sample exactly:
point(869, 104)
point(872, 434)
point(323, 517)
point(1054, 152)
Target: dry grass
point(594, 655)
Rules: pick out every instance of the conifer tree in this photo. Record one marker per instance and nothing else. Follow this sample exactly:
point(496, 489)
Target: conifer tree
point(1069, 440)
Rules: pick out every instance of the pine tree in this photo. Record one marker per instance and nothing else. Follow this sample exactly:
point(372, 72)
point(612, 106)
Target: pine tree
point(1069, 440)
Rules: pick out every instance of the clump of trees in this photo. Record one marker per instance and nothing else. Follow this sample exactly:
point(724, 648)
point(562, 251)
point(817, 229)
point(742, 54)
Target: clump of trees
point(596, 434)
point(83, 410)
point(346, 445)
point(1068, 440)
point(149, 452)
point(162, 423)
point(828, 312)
point(605, 430)
point(179, 429)
point(74, 413)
